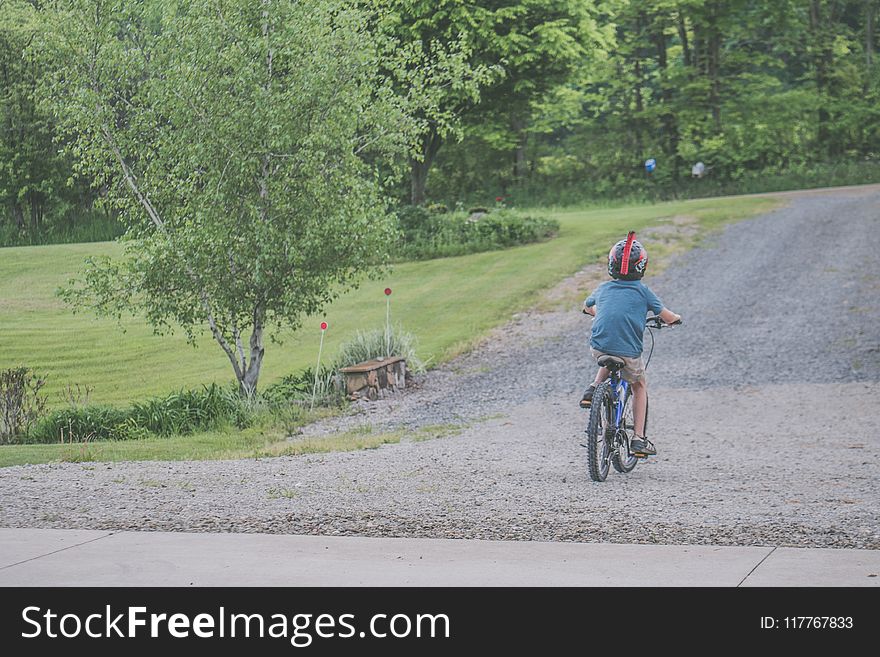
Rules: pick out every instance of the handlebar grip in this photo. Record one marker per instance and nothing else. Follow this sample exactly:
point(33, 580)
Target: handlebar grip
point(656, 322)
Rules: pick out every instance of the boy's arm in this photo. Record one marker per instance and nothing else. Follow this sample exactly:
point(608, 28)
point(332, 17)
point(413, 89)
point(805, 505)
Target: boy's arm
point(589, 306)
point(669, 317)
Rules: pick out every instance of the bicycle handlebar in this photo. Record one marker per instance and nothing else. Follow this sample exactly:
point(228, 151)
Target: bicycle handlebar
point(655, 322)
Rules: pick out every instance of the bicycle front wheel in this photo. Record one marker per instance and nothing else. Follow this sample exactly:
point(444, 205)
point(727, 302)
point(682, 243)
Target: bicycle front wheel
point(598, 429)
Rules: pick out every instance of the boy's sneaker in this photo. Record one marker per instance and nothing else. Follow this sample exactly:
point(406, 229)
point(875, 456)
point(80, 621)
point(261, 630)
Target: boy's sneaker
point(587, 399)
point(642, 447)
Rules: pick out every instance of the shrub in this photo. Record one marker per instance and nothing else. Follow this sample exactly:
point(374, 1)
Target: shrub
point(299, 387)
point(21, 403)
point(84, 423)
point(178, 413)
point(190, 410)
point(429, 235)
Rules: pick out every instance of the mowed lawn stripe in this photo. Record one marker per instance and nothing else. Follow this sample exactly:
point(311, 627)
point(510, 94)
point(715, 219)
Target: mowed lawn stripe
point(448, 303)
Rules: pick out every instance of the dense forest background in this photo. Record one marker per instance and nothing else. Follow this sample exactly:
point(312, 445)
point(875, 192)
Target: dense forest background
point(549, 102)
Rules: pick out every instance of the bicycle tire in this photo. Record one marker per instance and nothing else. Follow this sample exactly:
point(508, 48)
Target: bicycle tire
point(621, 459)
point(597, 433)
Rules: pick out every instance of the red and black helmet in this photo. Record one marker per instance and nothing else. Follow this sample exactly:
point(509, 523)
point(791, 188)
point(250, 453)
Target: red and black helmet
point(628, 259)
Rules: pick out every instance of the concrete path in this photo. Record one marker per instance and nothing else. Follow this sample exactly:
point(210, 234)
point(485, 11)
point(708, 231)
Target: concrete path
point(52, 557)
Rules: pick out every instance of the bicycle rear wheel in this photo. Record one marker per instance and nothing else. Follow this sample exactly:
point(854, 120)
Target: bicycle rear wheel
point(621, 459)
point(598, 428)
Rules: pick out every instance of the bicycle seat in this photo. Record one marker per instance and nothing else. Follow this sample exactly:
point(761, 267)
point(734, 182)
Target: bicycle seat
point(613, 363)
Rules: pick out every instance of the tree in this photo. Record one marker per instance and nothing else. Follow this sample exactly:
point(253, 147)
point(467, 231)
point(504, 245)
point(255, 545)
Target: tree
point(242, 142)
point(540, 44)
point(438, 38)
point(492, 60)
point(33, 175)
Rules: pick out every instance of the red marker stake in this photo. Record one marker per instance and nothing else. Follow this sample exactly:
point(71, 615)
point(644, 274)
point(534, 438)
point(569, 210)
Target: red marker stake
point(318, 366)
point(387, 322)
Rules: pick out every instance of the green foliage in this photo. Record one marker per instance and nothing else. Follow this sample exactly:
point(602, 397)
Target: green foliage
point(539, 101)
point(426, 234)
point(176, 414)
point(83, 424)
point(88, 226)
point(190, 410)
point(241, 144)
point(482, 63)
point(40, 198)
point(761, 92)
point(301, 387)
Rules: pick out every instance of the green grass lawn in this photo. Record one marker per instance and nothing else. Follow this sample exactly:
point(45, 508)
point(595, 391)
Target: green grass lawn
point(448, 303)
point(263, 442)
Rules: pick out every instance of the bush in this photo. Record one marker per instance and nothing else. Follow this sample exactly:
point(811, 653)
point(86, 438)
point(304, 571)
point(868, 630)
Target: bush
point(179, 413)
point(84, 423)
point(190, 410)
point(425, 234)
point(299, 387)
point(21, 404)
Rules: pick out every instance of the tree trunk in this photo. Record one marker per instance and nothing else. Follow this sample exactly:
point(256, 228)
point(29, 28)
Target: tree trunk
point(683, 37)
point(418, 180)
point(18, 216)
point(251, 376)
point(822, 62)
point(640, 103)
point(431, 143)
point(520, 165)
point(36, 206)
point(870, 16)
point(670, 125)
point(714, 65)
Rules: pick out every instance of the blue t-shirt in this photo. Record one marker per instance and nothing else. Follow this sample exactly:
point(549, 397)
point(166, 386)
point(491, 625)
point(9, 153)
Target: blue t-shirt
point(621, 309)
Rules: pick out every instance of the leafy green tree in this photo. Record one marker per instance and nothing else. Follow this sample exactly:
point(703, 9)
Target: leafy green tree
point(242, 142)
point(492, 59)
point(541, 45)
point(34, 177)
point(439, 40)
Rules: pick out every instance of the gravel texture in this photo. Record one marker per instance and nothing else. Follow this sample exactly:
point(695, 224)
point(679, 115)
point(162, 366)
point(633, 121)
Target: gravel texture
point(764, 409)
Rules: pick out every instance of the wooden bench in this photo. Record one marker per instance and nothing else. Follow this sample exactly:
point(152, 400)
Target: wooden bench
point(373, 379)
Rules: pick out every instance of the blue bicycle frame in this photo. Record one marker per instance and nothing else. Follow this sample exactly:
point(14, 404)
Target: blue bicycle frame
point(618, 384)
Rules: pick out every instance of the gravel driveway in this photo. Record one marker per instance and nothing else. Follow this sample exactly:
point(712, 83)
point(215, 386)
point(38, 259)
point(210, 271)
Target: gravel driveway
point(764, 410)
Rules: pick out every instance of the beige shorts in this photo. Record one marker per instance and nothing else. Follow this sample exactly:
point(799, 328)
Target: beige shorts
point(633, 369)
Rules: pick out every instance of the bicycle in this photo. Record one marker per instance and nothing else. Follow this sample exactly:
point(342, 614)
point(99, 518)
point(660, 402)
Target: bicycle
point(611, 425)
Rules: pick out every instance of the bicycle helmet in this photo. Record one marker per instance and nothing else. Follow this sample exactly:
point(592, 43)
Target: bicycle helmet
point(628, 259)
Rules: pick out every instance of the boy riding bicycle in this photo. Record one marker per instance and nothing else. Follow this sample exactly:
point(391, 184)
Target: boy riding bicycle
point(619, 308)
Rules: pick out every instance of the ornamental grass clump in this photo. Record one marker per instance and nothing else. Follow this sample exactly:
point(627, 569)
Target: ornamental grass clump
point(379, 343)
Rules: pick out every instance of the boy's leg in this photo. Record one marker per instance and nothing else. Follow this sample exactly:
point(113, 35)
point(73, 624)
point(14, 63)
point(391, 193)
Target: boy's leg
point(640, 406)
point(640, 445)
point(587, 398)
